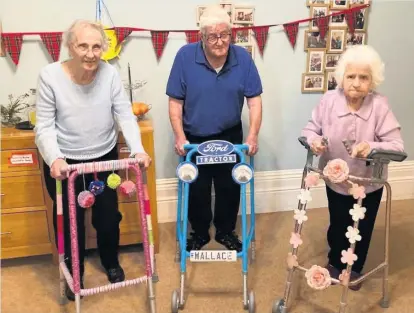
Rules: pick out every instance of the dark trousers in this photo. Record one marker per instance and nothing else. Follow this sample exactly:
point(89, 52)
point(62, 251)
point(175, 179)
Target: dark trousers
point(227, 192)
point(105, 215)
point(340, 219)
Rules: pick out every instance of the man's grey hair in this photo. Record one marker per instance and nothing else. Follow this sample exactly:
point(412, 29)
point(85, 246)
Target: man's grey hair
point(361, 55)
point(70, 35)
point(214, 15)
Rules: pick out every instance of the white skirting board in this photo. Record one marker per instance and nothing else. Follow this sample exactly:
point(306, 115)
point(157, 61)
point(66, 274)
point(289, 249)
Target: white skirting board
point(277, 190)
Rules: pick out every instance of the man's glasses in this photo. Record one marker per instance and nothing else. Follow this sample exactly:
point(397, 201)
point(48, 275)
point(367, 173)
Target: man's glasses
point(213, 38)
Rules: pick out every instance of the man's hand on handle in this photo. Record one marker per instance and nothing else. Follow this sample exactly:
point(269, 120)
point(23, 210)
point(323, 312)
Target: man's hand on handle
point(179, 146)
point(251, 141)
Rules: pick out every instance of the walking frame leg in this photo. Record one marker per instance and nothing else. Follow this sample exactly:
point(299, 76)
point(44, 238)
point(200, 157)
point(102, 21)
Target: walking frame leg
point(385, 297)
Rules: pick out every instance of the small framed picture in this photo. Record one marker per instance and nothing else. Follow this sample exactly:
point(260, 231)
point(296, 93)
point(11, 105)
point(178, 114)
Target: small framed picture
point(250, 49)
point(243, 14)
point(317, 10)
point(313, 2)
point(2, 49)
point(331, 61)
point(337, 20)
point(330, 81)
point(359, 2)
point(242, 36)
point(314, 40)
point(228, 6)
point(336, 40)
point(361, 19)
point(313, 82)
point(357, 38)
point(199, 11)
point(316, 61)
point(339, 4)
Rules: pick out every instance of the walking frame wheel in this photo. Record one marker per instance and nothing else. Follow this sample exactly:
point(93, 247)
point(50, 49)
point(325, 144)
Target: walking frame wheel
point(278, 306)
point(175, 301)
point(251, 304)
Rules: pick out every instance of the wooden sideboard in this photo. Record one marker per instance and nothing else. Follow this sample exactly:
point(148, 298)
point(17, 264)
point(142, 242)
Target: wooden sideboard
point(26, 208)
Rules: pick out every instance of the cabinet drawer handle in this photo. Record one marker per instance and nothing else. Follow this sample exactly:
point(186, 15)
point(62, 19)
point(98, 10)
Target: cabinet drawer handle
point(6, 233)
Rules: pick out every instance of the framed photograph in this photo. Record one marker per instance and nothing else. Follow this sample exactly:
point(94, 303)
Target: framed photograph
point(359, 2)
point(357, 38)
point(242, 36)
point(314, 40)
point(361, 20)
point(250, 49)
point(228, 6)
point(2, 51)
point(199, 11)
point(336, 40)
point(339, 4)
point(316, 61)
point(317, 10)
point(313, 82)
point(337, 20)
point(331, 61)
point(313, 2)
point(330, 81)
point(243, 14)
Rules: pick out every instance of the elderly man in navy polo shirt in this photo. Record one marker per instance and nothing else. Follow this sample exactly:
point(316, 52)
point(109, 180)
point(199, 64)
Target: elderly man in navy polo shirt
point(208, 83)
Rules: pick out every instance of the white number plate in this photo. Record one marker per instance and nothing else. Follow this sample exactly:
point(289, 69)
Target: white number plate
point(213, 256)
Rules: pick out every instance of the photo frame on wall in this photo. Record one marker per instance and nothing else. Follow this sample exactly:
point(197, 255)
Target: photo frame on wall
point(250, 49)
point(199, 12)
point(313, 2)
point(316, 61)
point(331, 61)
point(2, 51)
point(357, 38)
point(229, 8)
point(313, 40)
point(339, 4)
point(330, 80)
point(313, 83)
point(242, 36)
point(337, 20)
point(243, 14)
point(361, 20)
point(336, 40)
point(317, 10)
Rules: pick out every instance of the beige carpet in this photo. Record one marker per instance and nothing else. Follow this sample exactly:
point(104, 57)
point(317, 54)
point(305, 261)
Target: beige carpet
point(31, 285)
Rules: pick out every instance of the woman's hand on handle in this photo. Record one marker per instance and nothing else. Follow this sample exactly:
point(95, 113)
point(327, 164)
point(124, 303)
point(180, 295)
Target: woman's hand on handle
point(318, 147)
point(143, 159)
point(59, 169)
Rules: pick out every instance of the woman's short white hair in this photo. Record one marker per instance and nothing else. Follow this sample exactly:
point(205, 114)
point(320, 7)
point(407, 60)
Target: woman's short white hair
point(361, 55)
point(70, 35)
point(214, 15)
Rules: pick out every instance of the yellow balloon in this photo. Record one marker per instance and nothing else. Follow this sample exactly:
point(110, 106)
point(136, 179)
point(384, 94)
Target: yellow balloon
point(114, 49)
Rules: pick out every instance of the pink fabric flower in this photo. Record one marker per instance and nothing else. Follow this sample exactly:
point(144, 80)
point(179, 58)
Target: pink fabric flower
point(292, 261)
point(295, 240)
point(311, 180)
point(336, 171)
point(318, 277)
point(344, 278)
point(358, 192)
point(348, 257)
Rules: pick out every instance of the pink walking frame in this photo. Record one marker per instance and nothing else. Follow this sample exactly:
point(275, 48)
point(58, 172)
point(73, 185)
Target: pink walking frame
point(146, 226)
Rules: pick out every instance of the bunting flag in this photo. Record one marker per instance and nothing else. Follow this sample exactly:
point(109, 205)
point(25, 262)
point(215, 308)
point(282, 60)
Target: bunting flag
point(52, 41)
point(159, 39)
point(12, 43)
point(323, 25)
point(351, 18)
point(260, 34)
point(192, 35)
point(291, 30)
point(122, 33)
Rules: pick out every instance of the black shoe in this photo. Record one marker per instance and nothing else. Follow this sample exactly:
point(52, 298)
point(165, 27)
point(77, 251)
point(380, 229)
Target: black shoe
point(69, 294)
point(229, 240)
point(115, 274)
point(355, 276)
point(196, 242)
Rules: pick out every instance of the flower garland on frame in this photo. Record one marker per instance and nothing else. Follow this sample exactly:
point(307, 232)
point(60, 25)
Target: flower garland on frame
point(336, 171)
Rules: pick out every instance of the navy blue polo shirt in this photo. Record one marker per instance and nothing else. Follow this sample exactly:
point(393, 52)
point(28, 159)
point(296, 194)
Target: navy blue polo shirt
point(212, 102)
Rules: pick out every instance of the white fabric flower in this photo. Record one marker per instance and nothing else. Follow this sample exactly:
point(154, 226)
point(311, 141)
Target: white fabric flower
point(305, 196)
point(300, 216)
point(358, 212)
point(353, 234)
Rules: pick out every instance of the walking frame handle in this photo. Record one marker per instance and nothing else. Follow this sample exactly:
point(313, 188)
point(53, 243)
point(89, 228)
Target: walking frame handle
point(102, 166)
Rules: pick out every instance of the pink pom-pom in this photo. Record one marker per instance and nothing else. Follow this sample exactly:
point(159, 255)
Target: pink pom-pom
point(86, 199)
point(127, 187)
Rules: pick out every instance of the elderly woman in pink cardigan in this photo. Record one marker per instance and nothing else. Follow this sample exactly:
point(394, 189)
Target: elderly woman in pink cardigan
point(356, 112)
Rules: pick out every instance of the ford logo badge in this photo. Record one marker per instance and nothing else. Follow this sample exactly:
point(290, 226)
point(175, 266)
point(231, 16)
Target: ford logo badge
point(215, 147)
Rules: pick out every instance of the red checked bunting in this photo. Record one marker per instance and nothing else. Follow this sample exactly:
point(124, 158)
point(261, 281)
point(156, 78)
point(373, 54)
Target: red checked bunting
point(12, 42)
point(159, 39)
point(192, 35)
point(291, 30)
point(52, 41)
point(261, 33)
